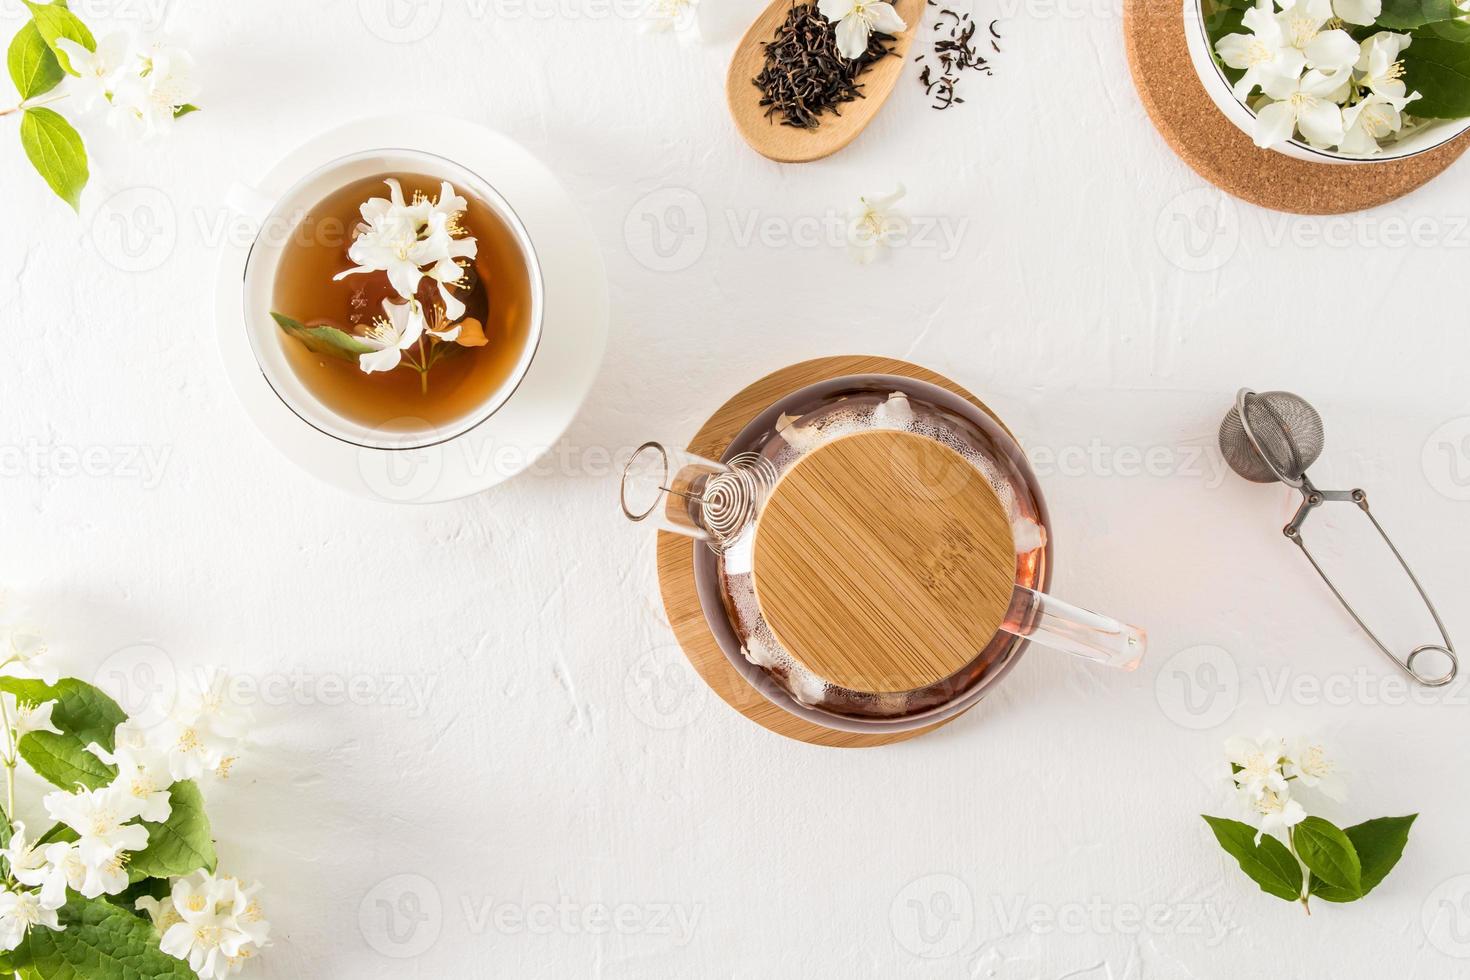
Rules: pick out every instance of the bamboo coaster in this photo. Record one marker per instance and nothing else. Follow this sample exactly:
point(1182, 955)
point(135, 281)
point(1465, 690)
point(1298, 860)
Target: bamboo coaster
point(1219, 152)
point(676, 554)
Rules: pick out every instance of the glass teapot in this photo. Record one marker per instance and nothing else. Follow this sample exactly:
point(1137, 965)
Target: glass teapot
point(877, 552)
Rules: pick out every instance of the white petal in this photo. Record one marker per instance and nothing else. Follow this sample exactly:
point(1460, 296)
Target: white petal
point(453, 308)
point(351, 272)
point(1320, 122)
point(1361, 12)
point(852, 36)
point(1332, 50)
point(1247, 83)
point(383, 360)
point(835, 10)
point(1233, 48)
point(1280, 86)
point(885, 19)
point(1274, 124)
point(1262, 23)
point(177, 940)
point(1393, 90)
point(405, 278)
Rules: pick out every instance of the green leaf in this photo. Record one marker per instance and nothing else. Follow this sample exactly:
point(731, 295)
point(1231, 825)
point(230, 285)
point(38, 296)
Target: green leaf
point(1457, 31)
point(33, 66)
point(179, 845)
point(185, 109)
point(59, 832)
point(323, 340)
point(5, 832)
point(143, 888)
point(1269, 865)
point(1405, 15)
point(1380, 844)
point(1224, 21)
point(100, 942)
point(54, 22)
point(85, 715)
point(56, 151)
point(1439, 70)
point(1329, 854)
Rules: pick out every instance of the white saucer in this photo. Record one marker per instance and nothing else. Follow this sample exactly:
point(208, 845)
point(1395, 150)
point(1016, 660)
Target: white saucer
point(573, 336)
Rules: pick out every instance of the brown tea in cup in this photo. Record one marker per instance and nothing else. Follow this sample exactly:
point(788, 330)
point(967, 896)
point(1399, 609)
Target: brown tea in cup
point(436, 380)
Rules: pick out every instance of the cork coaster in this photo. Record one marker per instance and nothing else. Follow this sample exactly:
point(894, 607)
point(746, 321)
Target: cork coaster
point(1194, 128)
point(676, 554)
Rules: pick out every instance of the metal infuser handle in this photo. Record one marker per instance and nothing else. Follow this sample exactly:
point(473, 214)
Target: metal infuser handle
point(1312, 498)
point(1274, 437)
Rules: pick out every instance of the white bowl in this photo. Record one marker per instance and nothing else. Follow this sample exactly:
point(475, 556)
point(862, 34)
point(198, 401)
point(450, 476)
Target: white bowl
point(1433, 135)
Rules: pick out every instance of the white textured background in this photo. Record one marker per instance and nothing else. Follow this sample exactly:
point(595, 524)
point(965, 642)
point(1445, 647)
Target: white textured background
point(564, 799)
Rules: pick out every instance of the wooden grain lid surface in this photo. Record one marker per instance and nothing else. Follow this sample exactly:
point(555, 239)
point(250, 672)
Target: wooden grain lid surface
point(884, 561)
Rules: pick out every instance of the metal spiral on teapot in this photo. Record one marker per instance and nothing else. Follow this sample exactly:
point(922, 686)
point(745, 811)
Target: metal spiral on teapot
point(730, 501)
point(687, 494)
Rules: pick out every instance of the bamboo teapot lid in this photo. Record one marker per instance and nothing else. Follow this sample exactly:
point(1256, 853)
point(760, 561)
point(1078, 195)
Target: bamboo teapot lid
point(884, 561)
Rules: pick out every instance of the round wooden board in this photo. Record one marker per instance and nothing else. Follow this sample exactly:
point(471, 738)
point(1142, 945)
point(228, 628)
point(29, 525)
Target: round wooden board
point(1194, 128)
point(676, 554)
point(884, 561)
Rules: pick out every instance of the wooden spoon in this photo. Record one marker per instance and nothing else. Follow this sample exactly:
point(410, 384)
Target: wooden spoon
point(792, 144)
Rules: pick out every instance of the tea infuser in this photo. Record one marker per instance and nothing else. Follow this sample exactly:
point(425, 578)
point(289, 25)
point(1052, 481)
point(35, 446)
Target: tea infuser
point(1275, 436)
point(689, 495)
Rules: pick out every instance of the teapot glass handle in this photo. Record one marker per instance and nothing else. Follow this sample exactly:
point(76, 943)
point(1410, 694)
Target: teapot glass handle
point(1072, 629)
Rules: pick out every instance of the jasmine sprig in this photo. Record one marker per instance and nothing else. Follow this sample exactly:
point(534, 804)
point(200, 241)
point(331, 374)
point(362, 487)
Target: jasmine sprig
point(1317, 858)
point(143, 87)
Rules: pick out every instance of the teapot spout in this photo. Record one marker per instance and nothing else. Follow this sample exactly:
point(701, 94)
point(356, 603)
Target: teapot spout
point(1072, 629)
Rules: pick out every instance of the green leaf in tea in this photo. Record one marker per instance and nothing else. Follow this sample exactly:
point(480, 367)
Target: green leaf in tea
point(323, 340)
point(33, 66)
point(1379, 843)
point(56, 151)
point(1439, 70)
point(1269, 864)
point(1329, 854)
point(85, 715)
point(54, 22)
point(182, 843)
